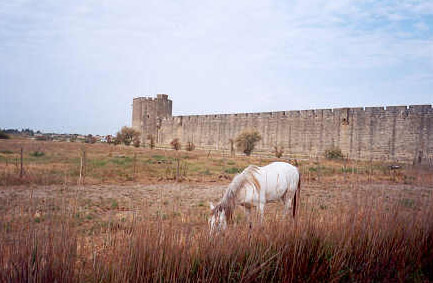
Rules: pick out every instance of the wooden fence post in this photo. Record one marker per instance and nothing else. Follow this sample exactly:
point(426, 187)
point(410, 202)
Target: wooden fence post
point(134, 165)
point(345, 167)
point(22, 166)
point(178, 170)
point(370, 170)
point(82, 168)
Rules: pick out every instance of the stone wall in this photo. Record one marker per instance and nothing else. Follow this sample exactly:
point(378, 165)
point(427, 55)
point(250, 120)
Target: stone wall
point(397, 133)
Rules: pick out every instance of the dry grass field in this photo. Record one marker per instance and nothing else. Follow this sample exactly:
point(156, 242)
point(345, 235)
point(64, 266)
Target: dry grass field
point(129, 220)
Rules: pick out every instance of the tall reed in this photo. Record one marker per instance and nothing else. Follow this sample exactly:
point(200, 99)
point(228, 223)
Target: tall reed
point(372, 239)
point(364, 244)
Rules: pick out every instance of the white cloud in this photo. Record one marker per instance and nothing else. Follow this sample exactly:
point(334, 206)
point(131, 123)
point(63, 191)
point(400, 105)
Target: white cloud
point(231, 56)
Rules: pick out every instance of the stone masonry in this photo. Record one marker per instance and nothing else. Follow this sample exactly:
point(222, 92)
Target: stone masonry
point(394, 133)
point(147, 114)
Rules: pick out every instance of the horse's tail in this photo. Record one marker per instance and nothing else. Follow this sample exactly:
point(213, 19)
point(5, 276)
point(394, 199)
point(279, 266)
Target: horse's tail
point(297, 195)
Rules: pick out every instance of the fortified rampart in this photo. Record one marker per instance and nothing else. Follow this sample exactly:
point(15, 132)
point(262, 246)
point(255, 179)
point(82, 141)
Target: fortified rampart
point(397, 133)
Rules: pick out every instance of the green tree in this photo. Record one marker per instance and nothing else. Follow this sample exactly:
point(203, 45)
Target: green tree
point(3, 135)
point(247, 140)
point(128, 135)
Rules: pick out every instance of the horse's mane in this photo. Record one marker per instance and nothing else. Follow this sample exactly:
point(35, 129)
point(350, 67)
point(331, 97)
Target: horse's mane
point(228, 202)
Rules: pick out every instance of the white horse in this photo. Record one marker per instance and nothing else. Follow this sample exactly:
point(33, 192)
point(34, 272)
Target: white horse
point(256, 186)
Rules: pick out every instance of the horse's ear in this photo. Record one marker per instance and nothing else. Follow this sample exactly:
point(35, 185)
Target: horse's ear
point(211, 206)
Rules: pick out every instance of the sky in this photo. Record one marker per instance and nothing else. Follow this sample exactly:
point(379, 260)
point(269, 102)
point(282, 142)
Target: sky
point(74, 66)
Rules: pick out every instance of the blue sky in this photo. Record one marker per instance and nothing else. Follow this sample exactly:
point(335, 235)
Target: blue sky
point(75, 65)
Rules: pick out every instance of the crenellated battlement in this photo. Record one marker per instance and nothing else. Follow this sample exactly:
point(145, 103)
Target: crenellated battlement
point(314, 112)
point(159, 97)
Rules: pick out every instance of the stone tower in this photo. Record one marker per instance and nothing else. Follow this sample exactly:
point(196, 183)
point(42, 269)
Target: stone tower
point(147, 113)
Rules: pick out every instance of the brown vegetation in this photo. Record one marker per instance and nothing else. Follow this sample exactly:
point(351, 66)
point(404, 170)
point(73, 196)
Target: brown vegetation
point(46, 162)
point(175, 144)
point(278, 151)
point(190, 146)
point(358, 221)
point(363, 233)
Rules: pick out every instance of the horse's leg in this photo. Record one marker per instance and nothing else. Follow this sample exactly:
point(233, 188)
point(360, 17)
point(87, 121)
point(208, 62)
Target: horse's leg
point(262, 211)
point(288, 196)
point(248, 215)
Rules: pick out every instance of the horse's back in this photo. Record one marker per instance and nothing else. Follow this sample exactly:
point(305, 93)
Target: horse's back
point(281, 169)
point(278, 177)
point(279, 165)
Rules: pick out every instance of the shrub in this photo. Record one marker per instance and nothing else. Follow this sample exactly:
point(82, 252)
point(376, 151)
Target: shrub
point(278, 151)
point(246, 141)
point(333, 153)
point(109, 139)
point(232, 170)
point(37, 153)
point(190, 146)
point(136, 142)
point(90, 139)
point(175, 144)
point(4, 136)
point(114, 204)
point(42, 138)
point(127, 135)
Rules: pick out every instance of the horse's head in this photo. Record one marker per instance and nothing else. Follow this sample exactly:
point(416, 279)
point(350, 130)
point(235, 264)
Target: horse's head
point(218, 220)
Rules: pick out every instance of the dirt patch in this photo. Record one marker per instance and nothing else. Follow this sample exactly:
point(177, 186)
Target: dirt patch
point(98, 204)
